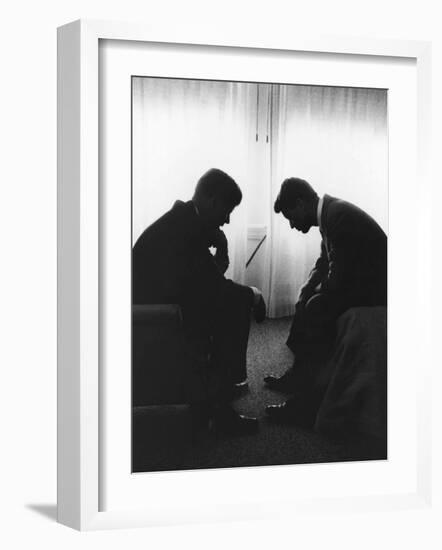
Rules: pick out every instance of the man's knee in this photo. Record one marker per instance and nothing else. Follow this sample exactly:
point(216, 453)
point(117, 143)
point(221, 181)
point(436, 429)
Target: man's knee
point(235, 304)
point(316, 309)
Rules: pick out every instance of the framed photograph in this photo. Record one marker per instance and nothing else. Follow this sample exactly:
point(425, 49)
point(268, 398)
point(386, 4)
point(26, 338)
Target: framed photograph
point(224, 210)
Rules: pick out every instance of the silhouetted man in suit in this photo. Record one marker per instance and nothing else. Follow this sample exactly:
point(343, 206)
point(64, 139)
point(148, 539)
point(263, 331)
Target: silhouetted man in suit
point(172, 263)
point(351, 271)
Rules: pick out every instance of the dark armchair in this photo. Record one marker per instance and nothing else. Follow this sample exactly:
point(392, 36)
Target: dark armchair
point(167, 376)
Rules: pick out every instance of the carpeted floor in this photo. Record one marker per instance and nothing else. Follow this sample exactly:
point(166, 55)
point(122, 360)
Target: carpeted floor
point(274, 444)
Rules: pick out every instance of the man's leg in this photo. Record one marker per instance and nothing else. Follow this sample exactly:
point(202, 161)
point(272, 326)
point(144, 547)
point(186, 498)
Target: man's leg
point(229, 360)
point(226, 329)
point(311, 339)
point(230, 339)
point(297, 342)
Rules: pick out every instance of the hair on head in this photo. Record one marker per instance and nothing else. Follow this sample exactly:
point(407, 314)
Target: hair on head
point(216, 183)
point(291, 190)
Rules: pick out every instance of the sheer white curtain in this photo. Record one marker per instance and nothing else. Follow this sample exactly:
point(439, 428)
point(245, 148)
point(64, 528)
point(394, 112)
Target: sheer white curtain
point(181, 128)
point(335, 138)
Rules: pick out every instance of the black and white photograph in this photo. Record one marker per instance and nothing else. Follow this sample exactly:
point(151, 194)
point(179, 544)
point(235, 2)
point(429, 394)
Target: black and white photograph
point(221, 275)
point(259, 274)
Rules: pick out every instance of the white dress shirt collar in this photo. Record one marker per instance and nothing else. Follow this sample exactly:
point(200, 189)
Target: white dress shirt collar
point(319, 213)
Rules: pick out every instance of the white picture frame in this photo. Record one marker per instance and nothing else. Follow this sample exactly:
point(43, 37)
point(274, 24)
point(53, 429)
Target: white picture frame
point(79, 276)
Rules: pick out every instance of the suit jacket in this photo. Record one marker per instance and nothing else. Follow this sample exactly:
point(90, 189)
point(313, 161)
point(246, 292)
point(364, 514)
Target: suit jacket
point(171, 263)
point(352, 266)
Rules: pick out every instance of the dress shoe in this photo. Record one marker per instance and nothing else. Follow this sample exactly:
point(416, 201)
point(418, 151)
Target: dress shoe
point(284, 383)
point(291, 412)
point(229, 422)
point(240, 389)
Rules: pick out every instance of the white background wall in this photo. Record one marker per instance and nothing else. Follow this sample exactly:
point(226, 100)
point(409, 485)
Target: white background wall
point(28, 254)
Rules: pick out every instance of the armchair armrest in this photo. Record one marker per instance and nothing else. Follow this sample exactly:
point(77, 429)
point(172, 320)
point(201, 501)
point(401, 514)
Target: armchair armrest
point(163, 369)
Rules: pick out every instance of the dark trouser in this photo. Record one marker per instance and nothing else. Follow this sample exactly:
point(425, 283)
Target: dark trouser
point(311, 338)
point(229, 340)
point(313, 326)
point(224, 329)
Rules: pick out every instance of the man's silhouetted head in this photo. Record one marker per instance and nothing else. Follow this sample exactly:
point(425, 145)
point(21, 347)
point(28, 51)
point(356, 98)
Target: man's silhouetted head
point(216, 195)
point(298, 202)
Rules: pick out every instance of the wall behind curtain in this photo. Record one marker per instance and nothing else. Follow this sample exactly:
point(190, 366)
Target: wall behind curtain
point(181, 128)
point(335, 138)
